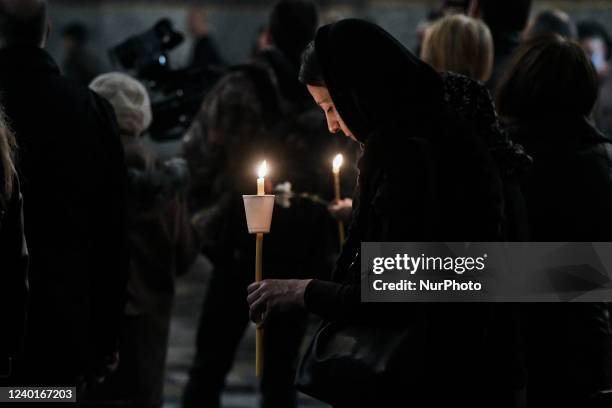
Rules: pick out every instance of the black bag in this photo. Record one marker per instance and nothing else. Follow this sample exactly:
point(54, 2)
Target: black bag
point(358, 365)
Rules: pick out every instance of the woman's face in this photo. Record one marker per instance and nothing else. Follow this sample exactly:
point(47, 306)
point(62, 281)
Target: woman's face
point(334, 122)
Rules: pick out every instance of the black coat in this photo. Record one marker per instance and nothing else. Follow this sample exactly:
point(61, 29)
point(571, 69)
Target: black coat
point(424, 177)
point(568, 193)
point(13, 283)
point(73, 182)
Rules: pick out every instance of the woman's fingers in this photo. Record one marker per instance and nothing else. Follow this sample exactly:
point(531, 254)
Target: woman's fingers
point(254, 314)
point(254, 295)
point(257, 301)
point(260, 303)
point(253, 286)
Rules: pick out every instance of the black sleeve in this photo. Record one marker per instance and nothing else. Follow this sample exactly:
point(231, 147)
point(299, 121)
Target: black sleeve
point(330, 300)
point(341, 302)
point(387, 222)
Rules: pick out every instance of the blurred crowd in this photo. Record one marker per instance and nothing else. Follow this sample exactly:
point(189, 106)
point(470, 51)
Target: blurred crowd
point(511, 105)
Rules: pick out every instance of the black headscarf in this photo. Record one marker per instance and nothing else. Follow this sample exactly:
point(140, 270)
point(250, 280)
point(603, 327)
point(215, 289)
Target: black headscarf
point(374, 81)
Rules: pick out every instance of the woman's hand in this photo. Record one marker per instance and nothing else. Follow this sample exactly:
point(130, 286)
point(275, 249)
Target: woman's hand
point(341, 209)
point(272, 294)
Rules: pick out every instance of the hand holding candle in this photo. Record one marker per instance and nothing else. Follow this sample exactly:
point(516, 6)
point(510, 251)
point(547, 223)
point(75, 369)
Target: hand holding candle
point(337, 163)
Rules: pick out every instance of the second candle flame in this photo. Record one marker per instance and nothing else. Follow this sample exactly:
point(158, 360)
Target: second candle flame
point(337, 163)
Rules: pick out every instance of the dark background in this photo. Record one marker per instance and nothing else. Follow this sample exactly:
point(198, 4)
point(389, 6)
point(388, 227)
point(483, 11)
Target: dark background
point(235, 22)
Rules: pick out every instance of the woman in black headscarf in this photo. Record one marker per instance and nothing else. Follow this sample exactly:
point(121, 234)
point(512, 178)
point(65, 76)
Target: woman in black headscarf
point(424, 177)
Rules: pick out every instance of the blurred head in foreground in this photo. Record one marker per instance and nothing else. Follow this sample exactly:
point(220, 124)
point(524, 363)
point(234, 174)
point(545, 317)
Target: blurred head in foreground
point(23, 22)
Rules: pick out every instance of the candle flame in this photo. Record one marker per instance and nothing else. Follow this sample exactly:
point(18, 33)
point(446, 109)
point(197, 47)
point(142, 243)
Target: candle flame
point(337, 163)
point(262, 170)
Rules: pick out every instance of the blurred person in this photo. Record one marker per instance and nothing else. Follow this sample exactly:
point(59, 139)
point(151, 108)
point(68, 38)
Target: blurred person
point(553, 21)
point(595, 40)
point(73, 182)
point(205, 51)
point(13, 260)
point(459, 44)
point(413, 143)
point(260, 111)
point(79, 64)
point(506, 20)
point(545, 98)
point(261, 41)
point(161, 243)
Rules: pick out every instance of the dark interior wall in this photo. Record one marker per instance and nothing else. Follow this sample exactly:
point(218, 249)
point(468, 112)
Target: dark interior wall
point(111, 23)
point(235, 22)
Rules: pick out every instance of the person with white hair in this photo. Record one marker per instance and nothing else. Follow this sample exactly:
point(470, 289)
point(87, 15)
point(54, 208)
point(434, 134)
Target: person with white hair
point(129, 99)
point(160, 241)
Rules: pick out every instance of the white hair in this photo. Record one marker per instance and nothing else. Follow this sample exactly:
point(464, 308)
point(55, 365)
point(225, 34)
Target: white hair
point(129, 99)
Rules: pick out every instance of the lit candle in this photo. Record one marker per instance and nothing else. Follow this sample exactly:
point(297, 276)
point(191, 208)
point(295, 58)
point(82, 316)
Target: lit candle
point(261, 174)
point(337, 163)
